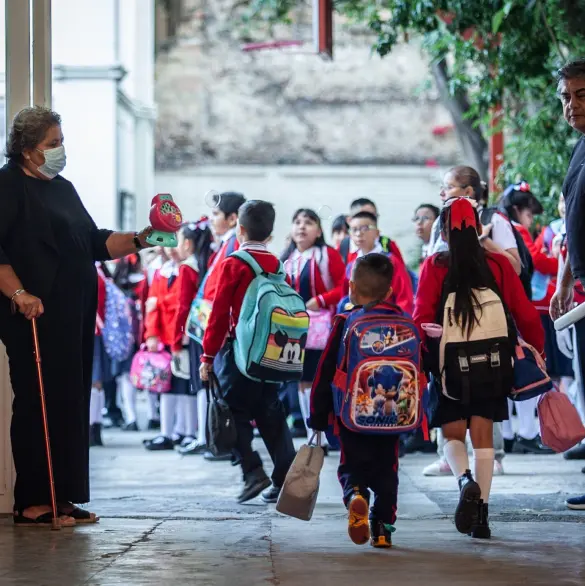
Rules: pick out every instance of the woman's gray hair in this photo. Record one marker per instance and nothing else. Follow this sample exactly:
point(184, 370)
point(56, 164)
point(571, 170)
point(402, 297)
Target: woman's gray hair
point(29, 128)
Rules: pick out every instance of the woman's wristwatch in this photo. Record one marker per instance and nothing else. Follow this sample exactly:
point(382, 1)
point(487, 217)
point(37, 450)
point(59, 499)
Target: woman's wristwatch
point(137, 242)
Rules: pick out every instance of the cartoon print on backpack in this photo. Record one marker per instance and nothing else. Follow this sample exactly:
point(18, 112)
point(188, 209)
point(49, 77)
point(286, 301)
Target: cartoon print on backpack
point(292, 350)
point(390, 397)
point(285, 349)
point(385, 383)
point(378, 340)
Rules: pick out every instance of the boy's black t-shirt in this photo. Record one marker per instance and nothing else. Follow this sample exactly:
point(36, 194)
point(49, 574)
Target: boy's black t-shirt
point(574, 192)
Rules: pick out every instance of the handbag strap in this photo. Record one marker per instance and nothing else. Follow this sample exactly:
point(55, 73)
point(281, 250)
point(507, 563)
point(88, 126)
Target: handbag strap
point(213, 387)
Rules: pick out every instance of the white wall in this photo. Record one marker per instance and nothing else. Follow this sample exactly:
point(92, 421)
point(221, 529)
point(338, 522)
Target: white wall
point(84, 32)
point(89, 112)
point(397, 190)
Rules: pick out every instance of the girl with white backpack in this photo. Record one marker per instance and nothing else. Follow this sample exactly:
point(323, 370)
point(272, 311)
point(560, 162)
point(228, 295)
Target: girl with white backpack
point(471, 293)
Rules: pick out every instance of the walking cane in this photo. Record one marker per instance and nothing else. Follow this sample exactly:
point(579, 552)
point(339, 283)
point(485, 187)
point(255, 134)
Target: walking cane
point(56, 525)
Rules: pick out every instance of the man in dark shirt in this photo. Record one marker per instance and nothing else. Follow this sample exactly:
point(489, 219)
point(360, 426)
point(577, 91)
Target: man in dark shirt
point(571, 90)
point(572, 93)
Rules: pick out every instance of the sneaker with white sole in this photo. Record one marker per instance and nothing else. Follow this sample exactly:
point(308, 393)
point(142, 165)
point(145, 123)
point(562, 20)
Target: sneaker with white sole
point(498, 468)
point(438, 468)
point(576, 503)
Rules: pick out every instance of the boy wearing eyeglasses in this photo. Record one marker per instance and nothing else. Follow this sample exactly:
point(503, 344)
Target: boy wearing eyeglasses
point(364, 233)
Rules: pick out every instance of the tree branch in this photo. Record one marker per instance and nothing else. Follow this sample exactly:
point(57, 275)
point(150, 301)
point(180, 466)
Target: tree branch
point(470, 137)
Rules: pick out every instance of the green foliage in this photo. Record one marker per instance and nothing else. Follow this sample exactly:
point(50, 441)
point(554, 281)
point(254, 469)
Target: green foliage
point(499, 52)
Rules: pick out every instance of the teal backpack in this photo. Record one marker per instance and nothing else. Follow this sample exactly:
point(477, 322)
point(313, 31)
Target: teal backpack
point(272, 330)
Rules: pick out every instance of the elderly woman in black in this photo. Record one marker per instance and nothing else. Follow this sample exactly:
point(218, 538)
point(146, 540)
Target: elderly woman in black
point(48, 247)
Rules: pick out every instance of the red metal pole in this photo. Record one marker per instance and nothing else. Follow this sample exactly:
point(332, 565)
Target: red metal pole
point(37, 351)
point(496, 149)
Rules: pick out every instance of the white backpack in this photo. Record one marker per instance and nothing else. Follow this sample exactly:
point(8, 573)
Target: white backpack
point(478, 366)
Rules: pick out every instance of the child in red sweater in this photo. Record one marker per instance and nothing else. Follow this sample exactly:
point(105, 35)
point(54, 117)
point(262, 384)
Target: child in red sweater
point(173, 289)
point(461, 270)
point(248, 400)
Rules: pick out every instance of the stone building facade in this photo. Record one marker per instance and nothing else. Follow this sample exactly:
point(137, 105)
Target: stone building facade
point(220, 105)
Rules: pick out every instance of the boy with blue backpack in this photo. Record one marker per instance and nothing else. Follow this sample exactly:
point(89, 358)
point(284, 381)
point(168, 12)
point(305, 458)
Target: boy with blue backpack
point(255, 340)
point(369, 382)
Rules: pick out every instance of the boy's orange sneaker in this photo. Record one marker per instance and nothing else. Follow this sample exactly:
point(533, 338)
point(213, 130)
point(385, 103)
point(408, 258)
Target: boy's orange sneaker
point(382, 535)
point(358, 520)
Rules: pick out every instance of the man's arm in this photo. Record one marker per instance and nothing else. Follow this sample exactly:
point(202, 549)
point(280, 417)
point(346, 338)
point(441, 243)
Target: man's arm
point(563, 298)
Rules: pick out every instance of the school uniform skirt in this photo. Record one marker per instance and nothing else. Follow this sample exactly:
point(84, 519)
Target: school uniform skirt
point(102, 363)
point(310, 365)
point(557, 364)
point(446, 410)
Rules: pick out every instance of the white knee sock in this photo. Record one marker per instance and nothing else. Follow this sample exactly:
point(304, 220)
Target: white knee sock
point(484, 471)
point(507, 428)
point(128, 398)
point(180, 416)
point(457, 457)
point(151, 407)
point(498, 437)
point(189, 406)
point(96, 402)
point(102, 404)
point(168, 411)
point(305, 404)
point(202, 416)
point(529, 426)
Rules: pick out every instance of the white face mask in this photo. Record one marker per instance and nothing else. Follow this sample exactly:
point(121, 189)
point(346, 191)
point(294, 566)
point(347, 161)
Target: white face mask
point(55, 160)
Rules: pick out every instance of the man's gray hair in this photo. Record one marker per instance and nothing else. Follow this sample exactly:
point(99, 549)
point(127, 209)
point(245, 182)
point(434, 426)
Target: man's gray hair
point(572, 70)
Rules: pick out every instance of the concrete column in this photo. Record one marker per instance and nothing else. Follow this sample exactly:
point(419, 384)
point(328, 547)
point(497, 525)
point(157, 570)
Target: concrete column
point(41, 53)
point(17, 57)
point(18, 86)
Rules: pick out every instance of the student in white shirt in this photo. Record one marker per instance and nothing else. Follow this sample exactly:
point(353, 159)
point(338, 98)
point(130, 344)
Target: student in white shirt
point(497, 237)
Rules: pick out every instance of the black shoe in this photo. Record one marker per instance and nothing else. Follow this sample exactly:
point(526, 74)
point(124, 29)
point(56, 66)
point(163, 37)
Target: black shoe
point(192, 449)
point(481, 530)
point(416, 443)
point(211, 457)
point(467, 512)
point(130, 426)
point(159, 444)
point(186, 441)
point(270, 495)
point(509, 445)
point(153, 424)
point(113, 420)
point(255, 483)
point(177, 439)
point(576, 453)
point(583, 471)
point(534, 446)
point(381, 534)
point(95, 435)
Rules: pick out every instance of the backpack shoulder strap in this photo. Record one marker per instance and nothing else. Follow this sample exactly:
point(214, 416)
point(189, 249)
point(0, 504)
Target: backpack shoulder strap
point(344, 249)
point(386, 243)
point(246, 257)
point(486, 215)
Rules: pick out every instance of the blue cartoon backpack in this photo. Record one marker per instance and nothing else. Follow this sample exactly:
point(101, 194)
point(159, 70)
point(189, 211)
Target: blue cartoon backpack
point(379, 385)
point(118, 333)
point(272, 329)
